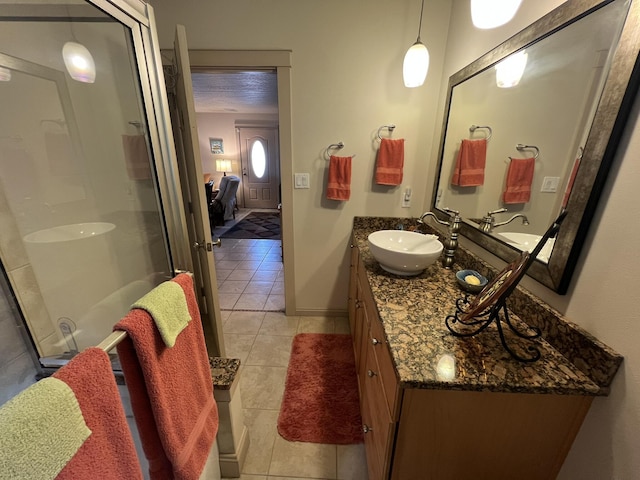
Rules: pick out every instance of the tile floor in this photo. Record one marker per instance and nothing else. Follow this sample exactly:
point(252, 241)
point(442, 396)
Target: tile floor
point(262, 341)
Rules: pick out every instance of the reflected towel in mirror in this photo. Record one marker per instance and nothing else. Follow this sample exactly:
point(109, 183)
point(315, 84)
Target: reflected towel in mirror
point(136, 157)
point(519, 179)
point(469, 169)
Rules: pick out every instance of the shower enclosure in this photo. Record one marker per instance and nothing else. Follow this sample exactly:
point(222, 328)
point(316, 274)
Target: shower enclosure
point(91, 210)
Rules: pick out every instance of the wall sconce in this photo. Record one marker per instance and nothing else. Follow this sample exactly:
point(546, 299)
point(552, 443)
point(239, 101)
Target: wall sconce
point(487, 14)
point(223, 166)
point(79, 62)
point(5, 74)
point(416, 61)
point(509, 71)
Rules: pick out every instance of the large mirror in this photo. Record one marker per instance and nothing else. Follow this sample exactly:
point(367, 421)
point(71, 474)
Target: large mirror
point(527, 145)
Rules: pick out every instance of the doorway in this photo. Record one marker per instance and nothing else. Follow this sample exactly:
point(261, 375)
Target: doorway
point(260, 166)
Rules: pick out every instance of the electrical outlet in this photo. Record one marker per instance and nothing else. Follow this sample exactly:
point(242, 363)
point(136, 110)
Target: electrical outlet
point(301, 180)
point(550, 184)
point(406, 198)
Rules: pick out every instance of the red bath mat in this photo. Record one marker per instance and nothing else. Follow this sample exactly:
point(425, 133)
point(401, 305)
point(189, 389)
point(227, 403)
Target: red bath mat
point(320, 402)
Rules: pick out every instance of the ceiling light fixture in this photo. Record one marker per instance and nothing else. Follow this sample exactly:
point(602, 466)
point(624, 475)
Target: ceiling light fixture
point(487, 14)
point(509, 71)
point(416, 61)
point(79, 62)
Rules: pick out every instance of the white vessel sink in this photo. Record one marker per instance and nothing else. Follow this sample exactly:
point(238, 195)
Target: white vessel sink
point(66, 233)
point(402, 252)
point(527, 242)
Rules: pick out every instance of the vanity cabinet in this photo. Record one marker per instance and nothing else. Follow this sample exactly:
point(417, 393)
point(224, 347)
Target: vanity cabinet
point(445, 430)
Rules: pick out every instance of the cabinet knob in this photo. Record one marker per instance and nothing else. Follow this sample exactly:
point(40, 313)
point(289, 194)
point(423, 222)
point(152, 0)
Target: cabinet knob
point(371, 373)
point(358, 303)
point(366, 429)
point(375, 341)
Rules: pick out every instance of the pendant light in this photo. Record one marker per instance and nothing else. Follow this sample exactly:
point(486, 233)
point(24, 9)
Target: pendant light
point(509, 71)
point(487, 14)
point(77, 59)
point(5, 74)
point(416, 61)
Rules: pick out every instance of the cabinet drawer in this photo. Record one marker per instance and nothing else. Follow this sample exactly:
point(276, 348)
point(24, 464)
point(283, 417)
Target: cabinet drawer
point(377, 422)
point(384, 367)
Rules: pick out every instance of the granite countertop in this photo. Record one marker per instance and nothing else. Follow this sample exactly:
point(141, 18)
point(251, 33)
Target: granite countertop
point(426, 355)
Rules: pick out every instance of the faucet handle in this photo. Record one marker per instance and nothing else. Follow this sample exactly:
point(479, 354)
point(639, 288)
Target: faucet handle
point(453, 213)
point(500, 210)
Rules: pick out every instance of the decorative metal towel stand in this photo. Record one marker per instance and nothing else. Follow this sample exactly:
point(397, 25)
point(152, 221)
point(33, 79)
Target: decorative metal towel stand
point(471, 318)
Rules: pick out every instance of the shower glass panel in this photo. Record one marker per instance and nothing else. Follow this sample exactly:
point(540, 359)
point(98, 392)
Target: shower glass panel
point(82, 234)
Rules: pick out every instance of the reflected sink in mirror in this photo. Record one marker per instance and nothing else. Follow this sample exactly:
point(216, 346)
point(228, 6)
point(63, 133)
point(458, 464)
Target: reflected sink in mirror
point(527, 242)
point(67, 233)
point(404, 253)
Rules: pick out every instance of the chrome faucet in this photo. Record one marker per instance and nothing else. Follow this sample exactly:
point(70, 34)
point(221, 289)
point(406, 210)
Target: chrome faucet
point(488, 223)
point(450, 244)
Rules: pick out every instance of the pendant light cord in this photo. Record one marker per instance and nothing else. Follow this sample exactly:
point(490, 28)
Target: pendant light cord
point(420, 26)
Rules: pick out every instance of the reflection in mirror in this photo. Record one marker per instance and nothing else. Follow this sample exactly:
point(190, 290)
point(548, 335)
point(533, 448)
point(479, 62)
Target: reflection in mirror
point(553, 100)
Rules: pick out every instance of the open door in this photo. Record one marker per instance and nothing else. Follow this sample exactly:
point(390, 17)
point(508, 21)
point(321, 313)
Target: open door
point(183, 118)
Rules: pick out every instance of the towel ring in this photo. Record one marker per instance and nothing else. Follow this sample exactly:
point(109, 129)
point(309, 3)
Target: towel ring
point(473, 128)
point(338, 145)
point(388, 127)
point(521, 147)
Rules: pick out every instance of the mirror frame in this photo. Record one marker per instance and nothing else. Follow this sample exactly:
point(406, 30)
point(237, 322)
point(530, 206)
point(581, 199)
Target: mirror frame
point(605, 133)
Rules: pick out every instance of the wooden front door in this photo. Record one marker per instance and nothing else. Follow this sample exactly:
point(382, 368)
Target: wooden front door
point(259, 158)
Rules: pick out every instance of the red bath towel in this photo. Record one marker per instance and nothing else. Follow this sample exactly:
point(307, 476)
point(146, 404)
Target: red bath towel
point(470, 163)
point(171, 391)
point(109, 452)
point(339, 181)
point(390, 162)
point(519, 179)
point(572, 179)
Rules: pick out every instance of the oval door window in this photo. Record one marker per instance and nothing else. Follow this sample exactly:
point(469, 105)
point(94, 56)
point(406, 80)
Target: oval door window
point(258, 158)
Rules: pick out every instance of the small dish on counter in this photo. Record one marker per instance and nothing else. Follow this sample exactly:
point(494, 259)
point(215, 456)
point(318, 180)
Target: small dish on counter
point(471, 281)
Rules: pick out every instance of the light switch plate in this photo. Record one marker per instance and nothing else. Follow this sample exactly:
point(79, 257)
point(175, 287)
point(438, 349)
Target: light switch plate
point(550, 184)
point(301, 180)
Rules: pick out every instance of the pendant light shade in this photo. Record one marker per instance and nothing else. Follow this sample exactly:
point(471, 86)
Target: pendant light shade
point(416, 65)
point(509, 71)
point(5, 74)
point(487, 14)
point(79, 62)
point(416, 61)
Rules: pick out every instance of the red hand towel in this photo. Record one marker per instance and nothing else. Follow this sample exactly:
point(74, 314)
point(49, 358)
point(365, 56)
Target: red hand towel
point(339, 181)
point(109, 453)
point(572, 179)
point(171, 391)
point(469, 169)
point(519, 178)
point(136, 157)
point(390, 162)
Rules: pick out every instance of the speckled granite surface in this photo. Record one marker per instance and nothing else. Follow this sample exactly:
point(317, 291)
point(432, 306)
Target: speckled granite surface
point(413, 310)
point(223, 371)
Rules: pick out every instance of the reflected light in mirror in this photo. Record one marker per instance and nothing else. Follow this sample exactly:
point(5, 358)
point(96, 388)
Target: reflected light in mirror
point(446, 368)
point(79, 62)
point(509, 71)
point(5, 74)
point(487, 14)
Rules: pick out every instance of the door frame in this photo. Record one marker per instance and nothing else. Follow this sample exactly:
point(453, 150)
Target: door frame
point(280, 61)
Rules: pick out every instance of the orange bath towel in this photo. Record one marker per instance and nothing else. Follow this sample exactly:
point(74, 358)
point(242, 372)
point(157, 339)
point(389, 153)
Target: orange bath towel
point(470, 163)
point(109, 453)
point(339, 181)
point(171, 391)
point(519, 179)
point(390, 162)
point(572, 179)
point(136, 157)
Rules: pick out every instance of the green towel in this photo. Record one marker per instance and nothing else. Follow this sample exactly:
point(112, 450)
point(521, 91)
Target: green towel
point(41, 429)
point(168, 306)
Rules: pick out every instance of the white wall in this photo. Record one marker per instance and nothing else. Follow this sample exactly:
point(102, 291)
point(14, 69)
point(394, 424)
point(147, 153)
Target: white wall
point(346, 82)
point(600, 298)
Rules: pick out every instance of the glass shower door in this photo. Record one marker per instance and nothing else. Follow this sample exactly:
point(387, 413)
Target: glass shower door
point(83, 229)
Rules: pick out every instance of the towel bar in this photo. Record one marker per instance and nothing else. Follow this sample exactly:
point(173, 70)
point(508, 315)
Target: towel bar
point(473, 128)
point(521, 147)
point(388, 127)
point(332, 146)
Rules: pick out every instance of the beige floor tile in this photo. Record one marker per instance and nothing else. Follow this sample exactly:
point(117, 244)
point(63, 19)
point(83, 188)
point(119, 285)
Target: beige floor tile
point(227, 264)
point(222, 274)
point(313, 460)
point(241, 275)
point(262, 387)
point(271, 351)
point(341, 325)
point(238, 346)
point(266, 265)
point(251, 301)
point(228, 300)
point(265, 276)
point(233, 286)
point(352, 462)
point(316, 325)
point(274, 302)
point(278, 288)
point(262, 427)
point(235, 256)
point(250, 477)
point(224, 315)
point(245, 323)
point(277, 323)
point(259, 287)
point(249, 265)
